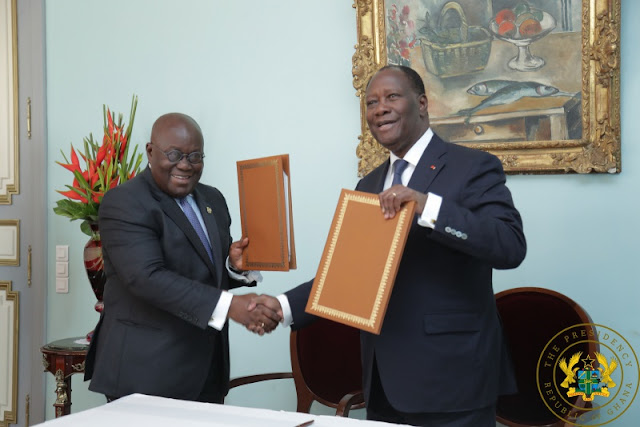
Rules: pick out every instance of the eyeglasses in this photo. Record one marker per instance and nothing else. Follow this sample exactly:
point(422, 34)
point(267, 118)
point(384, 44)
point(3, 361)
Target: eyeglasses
point(175, 156)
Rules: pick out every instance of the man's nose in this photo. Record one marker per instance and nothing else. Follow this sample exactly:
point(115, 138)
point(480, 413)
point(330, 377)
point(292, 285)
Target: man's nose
point(381, 108)
point(184, 163)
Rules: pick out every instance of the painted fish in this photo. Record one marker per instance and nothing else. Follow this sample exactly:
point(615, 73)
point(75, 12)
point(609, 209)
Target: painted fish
point(502, 92)
point(489, 87)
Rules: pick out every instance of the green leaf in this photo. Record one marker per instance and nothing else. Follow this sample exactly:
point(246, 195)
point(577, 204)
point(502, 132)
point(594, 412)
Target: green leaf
point(86, 228)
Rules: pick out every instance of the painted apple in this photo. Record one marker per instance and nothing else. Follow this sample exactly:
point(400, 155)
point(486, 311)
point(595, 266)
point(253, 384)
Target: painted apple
point(507, 29)
point(530, 27)
point(505, 15)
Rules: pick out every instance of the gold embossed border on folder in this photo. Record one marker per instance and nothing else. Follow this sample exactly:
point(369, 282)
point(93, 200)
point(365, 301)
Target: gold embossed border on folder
point(595, 108)
point(360, 262)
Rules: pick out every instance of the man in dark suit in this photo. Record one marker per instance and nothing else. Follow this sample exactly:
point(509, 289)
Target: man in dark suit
point(170, 261)
point(440, 359)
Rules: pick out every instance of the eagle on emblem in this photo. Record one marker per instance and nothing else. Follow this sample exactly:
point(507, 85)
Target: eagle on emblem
point(569, 369)
point(606, 369)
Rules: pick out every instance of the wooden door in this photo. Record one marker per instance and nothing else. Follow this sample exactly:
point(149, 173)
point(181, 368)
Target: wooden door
point(23, 236)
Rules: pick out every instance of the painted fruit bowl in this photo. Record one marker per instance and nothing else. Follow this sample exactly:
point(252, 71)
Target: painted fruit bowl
point(522, 35)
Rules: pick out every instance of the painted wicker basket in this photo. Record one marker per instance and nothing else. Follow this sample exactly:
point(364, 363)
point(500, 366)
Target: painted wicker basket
point(446, 55)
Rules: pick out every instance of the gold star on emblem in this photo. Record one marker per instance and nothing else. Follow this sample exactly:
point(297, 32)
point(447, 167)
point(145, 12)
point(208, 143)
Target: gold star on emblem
point(208, 210)
point(588, 363)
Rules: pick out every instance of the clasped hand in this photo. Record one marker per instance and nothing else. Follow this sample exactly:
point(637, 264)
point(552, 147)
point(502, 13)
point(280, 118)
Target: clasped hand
point(258, 313)
point(392, 199)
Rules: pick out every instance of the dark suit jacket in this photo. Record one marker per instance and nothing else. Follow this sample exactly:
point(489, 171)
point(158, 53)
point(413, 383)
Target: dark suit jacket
point(441, 346)
point(161, 290)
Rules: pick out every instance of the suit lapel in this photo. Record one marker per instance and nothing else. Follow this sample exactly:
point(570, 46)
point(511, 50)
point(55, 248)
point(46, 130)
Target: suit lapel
point(374, 182)
point(210, 222)
point(433, 160)
point(173, 211)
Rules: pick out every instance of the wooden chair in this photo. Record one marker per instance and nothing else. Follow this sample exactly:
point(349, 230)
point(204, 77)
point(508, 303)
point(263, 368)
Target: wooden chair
point(531, 317)
point(326, 365)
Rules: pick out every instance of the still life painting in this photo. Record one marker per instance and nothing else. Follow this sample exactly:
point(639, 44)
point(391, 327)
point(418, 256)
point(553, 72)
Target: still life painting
point(506, 75)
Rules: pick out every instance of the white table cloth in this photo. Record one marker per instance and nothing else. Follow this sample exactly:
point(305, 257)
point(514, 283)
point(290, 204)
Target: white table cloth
point(142, 410)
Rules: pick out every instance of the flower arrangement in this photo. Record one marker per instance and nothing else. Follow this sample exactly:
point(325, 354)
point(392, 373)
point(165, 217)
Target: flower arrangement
point(105, 166)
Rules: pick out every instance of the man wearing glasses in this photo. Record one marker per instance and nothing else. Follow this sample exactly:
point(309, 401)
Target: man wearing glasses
point(170, 261)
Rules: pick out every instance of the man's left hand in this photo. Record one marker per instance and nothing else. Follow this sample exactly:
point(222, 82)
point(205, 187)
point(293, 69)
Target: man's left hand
point(235, 253)
point(392, 199)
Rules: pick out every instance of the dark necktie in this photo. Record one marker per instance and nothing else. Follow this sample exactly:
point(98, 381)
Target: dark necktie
point(398, 167)
point(193, 219)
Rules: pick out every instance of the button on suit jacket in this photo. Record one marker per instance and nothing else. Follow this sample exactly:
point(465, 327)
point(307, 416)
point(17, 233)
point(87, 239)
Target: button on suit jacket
point(161, 290)
point(441, 345)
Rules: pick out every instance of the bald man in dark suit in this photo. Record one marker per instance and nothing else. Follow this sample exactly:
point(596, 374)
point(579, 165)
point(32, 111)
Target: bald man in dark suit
point(170, 261)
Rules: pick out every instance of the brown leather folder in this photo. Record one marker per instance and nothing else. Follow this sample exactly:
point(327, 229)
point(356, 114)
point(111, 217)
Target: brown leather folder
point(360, 261)
point(264, 185)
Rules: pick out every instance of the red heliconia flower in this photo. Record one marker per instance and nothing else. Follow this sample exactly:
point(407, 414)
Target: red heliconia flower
point(73, 195)
point(102, 151)
point(123, 145)
point(69, 167)
point(74, 158)
point(105, 167)
point(110, 121)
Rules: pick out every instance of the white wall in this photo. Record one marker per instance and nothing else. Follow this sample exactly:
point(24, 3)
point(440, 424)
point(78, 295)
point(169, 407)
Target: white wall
point(278, 80)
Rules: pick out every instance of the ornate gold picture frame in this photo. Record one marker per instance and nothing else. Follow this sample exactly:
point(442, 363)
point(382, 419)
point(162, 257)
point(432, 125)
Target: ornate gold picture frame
point(596, 148)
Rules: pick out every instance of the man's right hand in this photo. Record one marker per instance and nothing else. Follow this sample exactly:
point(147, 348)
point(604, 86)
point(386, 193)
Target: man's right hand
point(255, 316)
point(267, 302)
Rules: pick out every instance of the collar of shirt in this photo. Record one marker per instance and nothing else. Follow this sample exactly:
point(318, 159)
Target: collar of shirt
point(412, 157)
point(190, 199)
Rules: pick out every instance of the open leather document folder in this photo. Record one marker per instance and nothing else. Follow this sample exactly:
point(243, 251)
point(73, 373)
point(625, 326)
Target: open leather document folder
point(265, 212)
point(360, 261)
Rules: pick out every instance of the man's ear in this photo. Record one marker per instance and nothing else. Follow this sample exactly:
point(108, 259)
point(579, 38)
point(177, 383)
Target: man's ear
point(424, 105)
point(148, 149)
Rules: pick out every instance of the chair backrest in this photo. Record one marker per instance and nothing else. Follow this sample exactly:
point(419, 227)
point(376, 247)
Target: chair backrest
point(326, 364)
point(531, 317)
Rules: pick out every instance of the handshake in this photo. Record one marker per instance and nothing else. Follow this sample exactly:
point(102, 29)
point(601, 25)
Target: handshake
point(257, 313)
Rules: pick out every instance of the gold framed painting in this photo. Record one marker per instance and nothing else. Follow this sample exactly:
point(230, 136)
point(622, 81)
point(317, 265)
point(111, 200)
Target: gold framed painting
point(535, 82)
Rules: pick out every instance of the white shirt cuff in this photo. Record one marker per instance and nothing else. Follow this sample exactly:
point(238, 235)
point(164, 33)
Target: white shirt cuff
point(431, 210)
point(246, 277)
point(219, 315)
point(287, 316)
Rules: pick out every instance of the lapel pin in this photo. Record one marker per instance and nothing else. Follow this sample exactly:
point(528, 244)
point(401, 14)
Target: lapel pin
point(208, 210)
point(433, 167)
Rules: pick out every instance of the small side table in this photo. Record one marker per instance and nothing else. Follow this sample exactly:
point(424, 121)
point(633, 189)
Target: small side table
point(64, 358)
